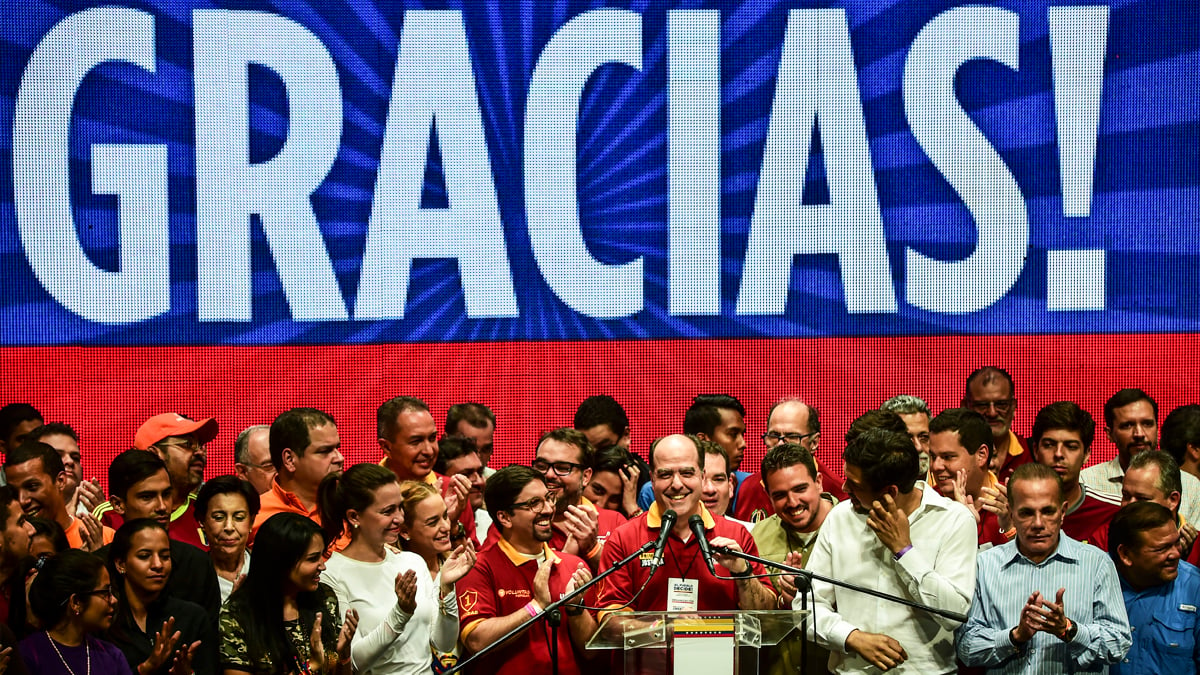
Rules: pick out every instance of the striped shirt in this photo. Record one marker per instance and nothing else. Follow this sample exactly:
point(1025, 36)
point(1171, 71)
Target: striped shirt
point(1003, 583)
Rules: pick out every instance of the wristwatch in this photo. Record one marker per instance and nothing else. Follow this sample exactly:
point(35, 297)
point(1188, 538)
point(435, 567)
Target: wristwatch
point(743, 574)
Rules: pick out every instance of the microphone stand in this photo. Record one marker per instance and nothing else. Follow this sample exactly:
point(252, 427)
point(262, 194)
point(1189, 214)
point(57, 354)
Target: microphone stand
point(552, 614)
point(809, 576)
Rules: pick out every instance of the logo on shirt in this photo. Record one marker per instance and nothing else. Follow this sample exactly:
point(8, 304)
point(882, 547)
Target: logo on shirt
point(513, 592)
point(467, 601)
point(647, 559)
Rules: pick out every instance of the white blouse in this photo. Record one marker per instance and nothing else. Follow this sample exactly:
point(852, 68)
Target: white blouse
point(390, 640)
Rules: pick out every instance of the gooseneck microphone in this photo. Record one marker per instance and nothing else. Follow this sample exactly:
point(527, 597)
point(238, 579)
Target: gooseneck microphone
point(697, 525)
point(660, 545)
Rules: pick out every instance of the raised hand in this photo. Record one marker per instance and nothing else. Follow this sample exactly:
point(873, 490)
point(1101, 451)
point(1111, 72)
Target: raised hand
point(164, 643)
point(406, 591)
point(461, 560)
point(182, 664)
point(541, 583)
point(346, 636)
point(629, 487)
point(579, 577)
point(582, 526)
point(995, 500)
point(92, 532)
point(90, 494)
point(454, 492)
point(890, 524)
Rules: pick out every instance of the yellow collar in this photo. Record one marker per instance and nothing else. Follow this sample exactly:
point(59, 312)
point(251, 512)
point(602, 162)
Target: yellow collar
point(654, 516)
point(519, 558)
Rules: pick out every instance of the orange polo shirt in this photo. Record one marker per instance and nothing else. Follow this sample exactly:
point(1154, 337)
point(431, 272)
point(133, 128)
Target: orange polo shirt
point(277, 500)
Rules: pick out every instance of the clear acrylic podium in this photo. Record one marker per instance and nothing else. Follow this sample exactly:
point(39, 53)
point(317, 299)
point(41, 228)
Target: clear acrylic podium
point(694, 643)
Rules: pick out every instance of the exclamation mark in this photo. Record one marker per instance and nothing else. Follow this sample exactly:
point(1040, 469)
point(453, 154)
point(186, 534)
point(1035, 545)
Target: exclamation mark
point(1078, 41)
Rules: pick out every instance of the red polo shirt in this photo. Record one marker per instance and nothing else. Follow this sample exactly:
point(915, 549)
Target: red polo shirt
point(681, 560)
point(607, 521)
point(502, 583)
point(754, 504)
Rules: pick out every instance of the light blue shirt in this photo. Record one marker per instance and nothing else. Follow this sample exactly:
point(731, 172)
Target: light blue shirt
point(1166, 629)
point(1004, 581)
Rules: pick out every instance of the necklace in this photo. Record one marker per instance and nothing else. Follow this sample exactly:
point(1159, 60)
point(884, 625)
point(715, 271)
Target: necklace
point(87, 652)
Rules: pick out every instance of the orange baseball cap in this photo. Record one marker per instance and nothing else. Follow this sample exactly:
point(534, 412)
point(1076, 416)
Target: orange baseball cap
point(161, 426)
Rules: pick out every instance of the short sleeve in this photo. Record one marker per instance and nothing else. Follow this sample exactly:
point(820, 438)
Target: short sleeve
point(234, 651)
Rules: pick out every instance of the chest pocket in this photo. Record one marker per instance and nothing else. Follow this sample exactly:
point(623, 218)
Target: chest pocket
point(1172, 637)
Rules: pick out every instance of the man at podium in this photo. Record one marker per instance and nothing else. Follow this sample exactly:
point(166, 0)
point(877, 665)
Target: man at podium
point(684, 582)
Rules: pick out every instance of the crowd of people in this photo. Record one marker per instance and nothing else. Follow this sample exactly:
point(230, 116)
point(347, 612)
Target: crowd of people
point(1007, 553)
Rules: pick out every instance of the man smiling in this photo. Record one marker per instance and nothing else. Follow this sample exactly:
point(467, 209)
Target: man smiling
point(684, 583)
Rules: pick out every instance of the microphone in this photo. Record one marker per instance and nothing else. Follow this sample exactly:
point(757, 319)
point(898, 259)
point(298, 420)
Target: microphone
point(697, 525)
point(660, 545)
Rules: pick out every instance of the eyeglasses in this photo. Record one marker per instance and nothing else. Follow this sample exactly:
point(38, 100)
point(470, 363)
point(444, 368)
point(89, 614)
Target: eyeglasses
point(109, 591)
point(774, 437)
point(1002, 406)
point(191, 445)
point(537, 504)
point(560, 468)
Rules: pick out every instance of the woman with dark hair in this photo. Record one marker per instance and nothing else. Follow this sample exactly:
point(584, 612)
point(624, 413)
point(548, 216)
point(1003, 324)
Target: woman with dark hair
point(405, 606)
point(149, 625)
point(72, 595)
point(282, 620)
point(226, 507)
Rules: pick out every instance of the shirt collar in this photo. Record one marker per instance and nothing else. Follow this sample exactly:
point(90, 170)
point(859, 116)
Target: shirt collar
point(518, 559)
point(1014, 444)
point(654, 517)
point(430, 478)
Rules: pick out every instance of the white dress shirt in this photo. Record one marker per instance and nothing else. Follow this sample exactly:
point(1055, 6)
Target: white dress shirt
point(938, 571)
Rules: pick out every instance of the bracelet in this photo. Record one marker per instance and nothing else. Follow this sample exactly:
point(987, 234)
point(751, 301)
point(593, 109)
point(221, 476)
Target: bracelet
point(745, 574)
point(1010, 533)
point(636, 513)
point(533, 608)
point(900, 554)
point(572, 610)
point(595, 550)
point(1068, 633)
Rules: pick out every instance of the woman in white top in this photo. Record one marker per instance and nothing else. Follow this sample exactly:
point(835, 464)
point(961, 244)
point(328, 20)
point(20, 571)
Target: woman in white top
point(405, 611)
point(226, 507)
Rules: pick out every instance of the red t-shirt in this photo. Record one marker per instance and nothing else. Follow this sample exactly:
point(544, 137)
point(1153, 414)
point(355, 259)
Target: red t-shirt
point(754, 504)
point(1095, 510)
point(681, 560)
point(1099, 539)
point(502, 583)
point(607, 521)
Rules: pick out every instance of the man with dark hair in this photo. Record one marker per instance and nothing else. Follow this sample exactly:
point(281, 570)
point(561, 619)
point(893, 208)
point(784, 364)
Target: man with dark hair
point(794, 486)
point(1131, 423)
point(898, 536)
point(603, 421)
point(180, 443)
point(564, 459)
point(35, 471)
point(252, 457)
point(719, 418)
point(1082, 629)
point(14, 542)
point(677, 470)
point(1159, 589)
point(305, 447)
point(1062, 440)
point(961, 446)
point(409, 440)
point(790, 420)
point(517, 578)
point(1180, 436)
point(1154, 477)
point(716, 492)
point(990, 392)
point(457, 456)
point(477, 422)
point(17, 420)
point(915, 413)
point(82, 496)
point(139, 486)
